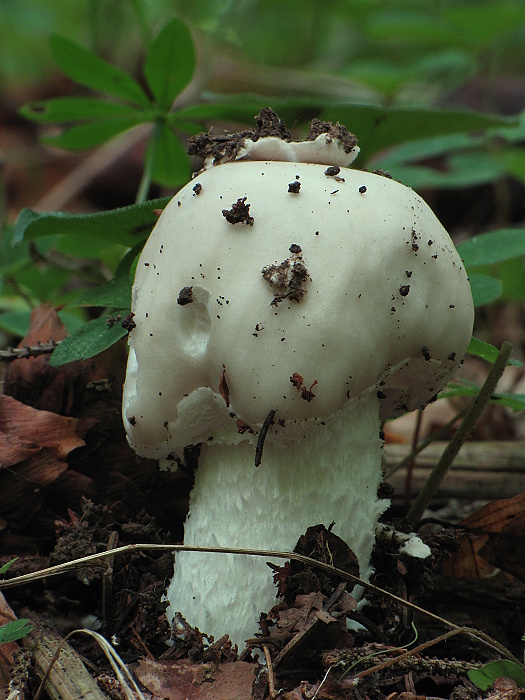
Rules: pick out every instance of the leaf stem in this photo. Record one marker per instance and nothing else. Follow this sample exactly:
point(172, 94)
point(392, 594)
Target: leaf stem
point(149, 159)
point(460, 436)
point(140, 13)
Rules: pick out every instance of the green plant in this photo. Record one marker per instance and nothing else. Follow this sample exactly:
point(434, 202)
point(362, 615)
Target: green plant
point(49, 243)
point(16, 629)
point(168, 68)
point(501, 668)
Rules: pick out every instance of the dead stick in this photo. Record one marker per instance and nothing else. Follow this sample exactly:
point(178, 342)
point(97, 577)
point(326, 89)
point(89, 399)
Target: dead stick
point(271, 678)
point(59, 666)
point(412, 652)
point(29, 350)
point(484, 470)
point(262, 436)
point(107, 584)
point(472, 415)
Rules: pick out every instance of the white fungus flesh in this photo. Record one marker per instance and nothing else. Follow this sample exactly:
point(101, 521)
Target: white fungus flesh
point(312, 300)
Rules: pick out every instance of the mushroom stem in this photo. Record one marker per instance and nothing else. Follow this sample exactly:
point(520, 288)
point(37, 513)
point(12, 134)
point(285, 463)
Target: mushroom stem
point(331, 475)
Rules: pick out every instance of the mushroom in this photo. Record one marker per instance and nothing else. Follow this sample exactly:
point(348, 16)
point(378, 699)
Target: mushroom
point(276, 329)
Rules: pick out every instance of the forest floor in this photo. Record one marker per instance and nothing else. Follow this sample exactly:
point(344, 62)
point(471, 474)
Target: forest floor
point(70, 487)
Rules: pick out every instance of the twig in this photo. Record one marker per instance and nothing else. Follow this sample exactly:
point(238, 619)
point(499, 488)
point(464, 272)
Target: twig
point(64, 678)
point(405, 662)
point(209, 653)
point(460, 436)
point(29, 350)
point(269, 554)
point(321, 617)
point(271, 678)
point(411, 462)
point(128, 686)
point(107, 584)
point(262, 436)
point(412, 652)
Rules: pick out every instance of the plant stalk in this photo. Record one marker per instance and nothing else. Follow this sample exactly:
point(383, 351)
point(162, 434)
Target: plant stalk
point(461, 435)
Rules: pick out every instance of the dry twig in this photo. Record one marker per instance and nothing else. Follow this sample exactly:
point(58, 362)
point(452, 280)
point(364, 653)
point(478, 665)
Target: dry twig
point(29, 350)
point(467, 426)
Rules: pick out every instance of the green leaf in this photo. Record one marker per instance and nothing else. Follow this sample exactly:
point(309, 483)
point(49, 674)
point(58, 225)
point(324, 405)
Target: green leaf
point(86, 247)
point(381, 127)
point(484, 22)
point(488, 352)
point(170, 62)
point(512, 274)
point(492, 247)
point(184, 125)
point(88, 69)
point(516, 402)
point(15, 630)
point(5, 567)
point(70, 109)
point(128, 264)
point(91, 339)
point(503, 668)
point(461, 170)
point(414, 151)
point(236, 108)
point(414, 28)
point(127, 225)
point(382, 75)
point(485, 289)
point(15, 322)
point(94, 133)
point(446, 65)
point(116, 293)
point(73, 320)
point(513, 160)
point(171, 165)
point(42, 282)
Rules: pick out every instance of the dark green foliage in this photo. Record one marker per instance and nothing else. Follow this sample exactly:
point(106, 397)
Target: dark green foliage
point(392, 52)
point(127, 226)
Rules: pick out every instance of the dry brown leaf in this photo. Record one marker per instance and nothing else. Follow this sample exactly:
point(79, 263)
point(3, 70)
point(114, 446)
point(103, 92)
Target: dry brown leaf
point(467, 563)
point(184, 680)
point(33, 448)
point(493, 538)
point(32, 428)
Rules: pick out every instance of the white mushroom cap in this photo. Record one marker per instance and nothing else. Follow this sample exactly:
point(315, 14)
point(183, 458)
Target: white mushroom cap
point(348, 286)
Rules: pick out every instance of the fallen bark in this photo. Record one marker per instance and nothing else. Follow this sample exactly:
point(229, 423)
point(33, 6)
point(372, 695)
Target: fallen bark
point(481, 471)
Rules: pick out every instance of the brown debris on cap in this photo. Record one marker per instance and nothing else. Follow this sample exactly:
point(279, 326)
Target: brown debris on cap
point(226, 147)
point(185, 296)
point(239, 213)
point(269, 123)
point(289, 278)
point(335, 131)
